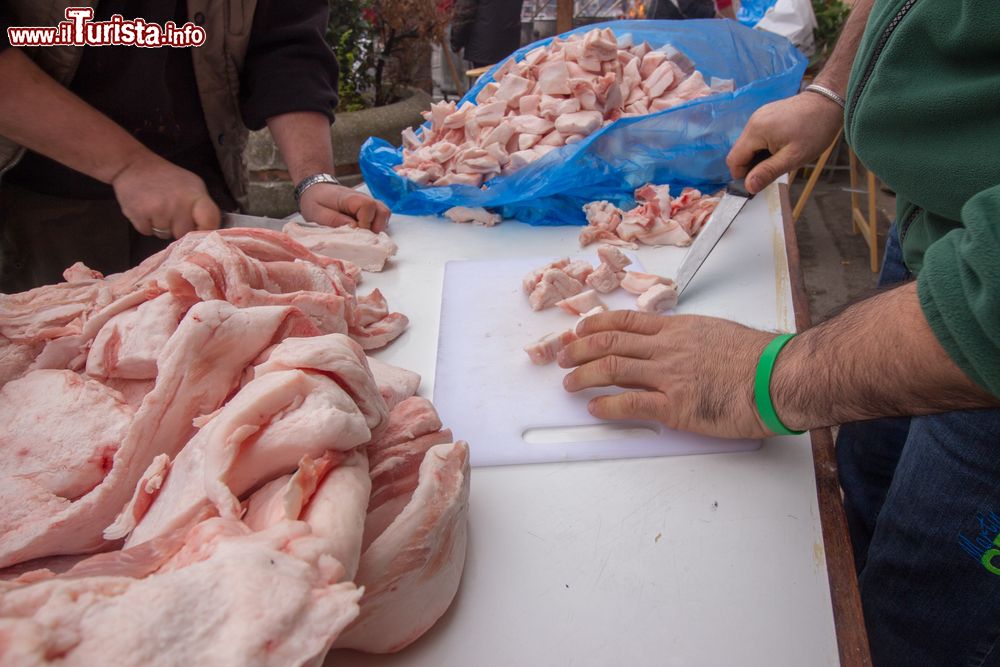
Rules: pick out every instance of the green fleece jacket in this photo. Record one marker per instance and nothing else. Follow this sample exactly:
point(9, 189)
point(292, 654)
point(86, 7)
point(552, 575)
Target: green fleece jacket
point(923, 113)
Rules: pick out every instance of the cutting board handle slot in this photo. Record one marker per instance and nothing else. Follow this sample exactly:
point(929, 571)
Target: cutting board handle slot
point(547, 435)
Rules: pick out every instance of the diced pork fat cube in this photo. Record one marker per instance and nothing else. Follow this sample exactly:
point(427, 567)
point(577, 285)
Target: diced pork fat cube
point(531, 124)
point(488, 115)
point(554, 139)
point(679, 59)
point(459, 117)
point(528, 105)
point(718, 85)
point(578, 270)
point(519, 159)
point(554, 286)
point(441, 152)
point(526, 141)
point(488, 91)
point(477, 161)
point(498, 153)
point(512, 87)
point(544, 350)
point(613, 257)
point(536, 56)
point(640, 50)
point(460, 179)
point(552, 107)
point(478, 215)
point(530, 281)
point(410, 139)
point(439, 112)
point(500, 134)
point(581, 122)
point(553, 78)
point(581, 303)
point(664, 77)
point(604, 279)
point(658, 298)
point(636, 283)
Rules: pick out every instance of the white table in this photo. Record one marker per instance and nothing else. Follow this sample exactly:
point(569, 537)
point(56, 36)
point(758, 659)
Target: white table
point(692, 560)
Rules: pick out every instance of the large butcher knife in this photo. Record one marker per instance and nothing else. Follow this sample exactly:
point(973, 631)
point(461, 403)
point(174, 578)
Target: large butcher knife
point(230, 220)
point(733, 201)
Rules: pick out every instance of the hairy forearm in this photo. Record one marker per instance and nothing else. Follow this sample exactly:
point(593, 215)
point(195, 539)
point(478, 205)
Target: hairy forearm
point(837, 70)
point(40, 114)
point(303, 137)
point(878, 358)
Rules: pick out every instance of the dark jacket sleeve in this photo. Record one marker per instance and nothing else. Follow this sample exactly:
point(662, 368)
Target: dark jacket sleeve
point(462, 22)
point(289, 66)
point(5, 22)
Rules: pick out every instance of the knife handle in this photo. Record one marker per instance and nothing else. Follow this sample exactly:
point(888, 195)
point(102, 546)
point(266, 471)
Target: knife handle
point(738, 186)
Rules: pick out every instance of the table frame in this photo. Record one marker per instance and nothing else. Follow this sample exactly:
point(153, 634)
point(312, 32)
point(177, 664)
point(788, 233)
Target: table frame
point(852, 637)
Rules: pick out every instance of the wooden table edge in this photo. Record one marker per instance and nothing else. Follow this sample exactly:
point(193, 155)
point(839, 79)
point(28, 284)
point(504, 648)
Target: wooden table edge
point(848, 618)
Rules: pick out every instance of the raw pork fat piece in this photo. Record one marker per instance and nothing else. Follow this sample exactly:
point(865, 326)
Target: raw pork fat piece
point(636, 282)
point(478, 215)
point(613, 257)
point(581, 303)
point(544, 350)
point(363, 247)
point(417, 562)
point(394, 383)
point(103, 619)
point(605, 279)
point(658, 298)
point(554, 286)
point(557, 95)
point(657, 218)
point(263, 432)
point(198, 368)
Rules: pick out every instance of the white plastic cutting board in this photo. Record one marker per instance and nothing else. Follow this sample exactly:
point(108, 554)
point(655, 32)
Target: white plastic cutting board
point(488, 390)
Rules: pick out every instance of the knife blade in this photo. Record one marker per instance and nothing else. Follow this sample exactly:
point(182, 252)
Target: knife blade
point(230, 220)
point(733, 201)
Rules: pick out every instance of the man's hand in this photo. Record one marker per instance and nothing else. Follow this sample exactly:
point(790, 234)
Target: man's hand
point(161, 199)
point(689, 372)
point(336, 206)
point(303, 137)
point(795, 130)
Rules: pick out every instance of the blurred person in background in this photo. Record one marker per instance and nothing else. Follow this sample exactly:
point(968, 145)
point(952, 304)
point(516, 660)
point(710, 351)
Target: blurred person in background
point(486, 31)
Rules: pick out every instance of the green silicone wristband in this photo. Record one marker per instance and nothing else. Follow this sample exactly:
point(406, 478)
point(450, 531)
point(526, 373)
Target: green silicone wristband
point(762, 386)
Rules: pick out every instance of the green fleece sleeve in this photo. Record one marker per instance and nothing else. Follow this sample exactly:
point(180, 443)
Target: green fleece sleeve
point(959, 288)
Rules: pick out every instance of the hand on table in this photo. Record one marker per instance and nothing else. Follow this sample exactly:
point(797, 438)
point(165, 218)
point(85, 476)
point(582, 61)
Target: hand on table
point(688, 372)
point(795, 130)
point(336, 206)
point(161, 199)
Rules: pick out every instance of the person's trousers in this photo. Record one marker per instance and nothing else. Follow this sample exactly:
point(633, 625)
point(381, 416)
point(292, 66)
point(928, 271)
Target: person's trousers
point(922, 498)
point(42, 235)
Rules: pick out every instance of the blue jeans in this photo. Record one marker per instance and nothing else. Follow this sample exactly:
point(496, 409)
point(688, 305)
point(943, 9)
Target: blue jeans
point(922, 498)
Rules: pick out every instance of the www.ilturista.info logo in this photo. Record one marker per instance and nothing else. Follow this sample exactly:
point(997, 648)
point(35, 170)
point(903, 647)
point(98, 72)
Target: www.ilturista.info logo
point(985, 546)
point(79, 29)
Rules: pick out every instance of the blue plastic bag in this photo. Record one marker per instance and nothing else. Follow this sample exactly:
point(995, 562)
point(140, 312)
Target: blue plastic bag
point(683, 145)
point(752, 11)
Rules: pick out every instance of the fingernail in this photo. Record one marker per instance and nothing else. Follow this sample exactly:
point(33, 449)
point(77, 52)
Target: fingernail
point(752, 183)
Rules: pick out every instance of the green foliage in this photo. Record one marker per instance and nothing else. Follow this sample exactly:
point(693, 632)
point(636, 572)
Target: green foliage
point(348, 33)
point(371, 37)
point(830, 17)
